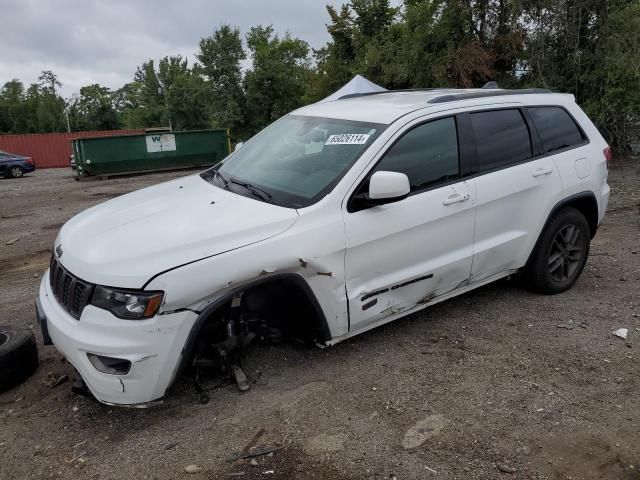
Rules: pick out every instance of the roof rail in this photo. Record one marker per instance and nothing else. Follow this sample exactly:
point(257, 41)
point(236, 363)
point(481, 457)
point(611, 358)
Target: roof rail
point(365, 94)
point(382, 92)
point(452, 97)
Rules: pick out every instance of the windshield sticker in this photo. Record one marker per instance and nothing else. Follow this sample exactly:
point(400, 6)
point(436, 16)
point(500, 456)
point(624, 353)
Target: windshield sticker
point(348, 139)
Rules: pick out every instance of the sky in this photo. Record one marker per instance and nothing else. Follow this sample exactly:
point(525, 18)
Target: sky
point(90, 41)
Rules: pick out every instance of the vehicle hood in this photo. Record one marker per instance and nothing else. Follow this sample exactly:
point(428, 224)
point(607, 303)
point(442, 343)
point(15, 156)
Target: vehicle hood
point(126, 241)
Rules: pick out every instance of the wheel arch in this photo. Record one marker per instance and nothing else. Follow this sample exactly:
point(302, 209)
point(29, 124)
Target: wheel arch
point(584, 202)
point(320, 319)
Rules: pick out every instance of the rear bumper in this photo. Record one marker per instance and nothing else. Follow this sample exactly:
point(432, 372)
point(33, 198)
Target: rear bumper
point(153, 346)
point(605, 192)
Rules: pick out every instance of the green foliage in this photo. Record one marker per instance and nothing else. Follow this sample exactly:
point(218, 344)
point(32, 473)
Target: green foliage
point(275, 84)
point(13, 108)
point(93, 109)
point(590, 48)
point(220, 56)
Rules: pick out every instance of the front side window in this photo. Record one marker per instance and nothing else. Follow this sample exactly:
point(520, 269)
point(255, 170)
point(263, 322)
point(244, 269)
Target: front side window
point(296, 161)
point(502, 138)
point(556, 128)
point(427, 154)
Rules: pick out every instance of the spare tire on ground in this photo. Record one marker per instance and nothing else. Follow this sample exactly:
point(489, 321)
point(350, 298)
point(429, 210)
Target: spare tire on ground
point(18, 356)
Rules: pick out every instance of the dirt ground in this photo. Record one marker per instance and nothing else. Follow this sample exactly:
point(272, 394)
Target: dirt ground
point(497, 383)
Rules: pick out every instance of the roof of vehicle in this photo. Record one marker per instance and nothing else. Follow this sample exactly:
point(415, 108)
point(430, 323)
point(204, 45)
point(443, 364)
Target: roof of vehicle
point(386, 107)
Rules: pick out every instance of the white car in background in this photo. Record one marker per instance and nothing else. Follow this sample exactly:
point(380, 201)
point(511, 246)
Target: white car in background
point(338, 218)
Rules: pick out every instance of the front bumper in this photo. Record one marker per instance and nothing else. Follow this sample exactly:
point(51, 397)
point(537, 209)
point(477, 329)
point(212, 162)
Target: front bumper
point(153, 347)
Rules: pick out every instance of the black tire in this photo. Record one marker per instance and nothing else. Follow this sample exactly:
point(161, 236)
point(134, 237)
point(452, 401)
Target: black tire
point(560, 254)
point(18, 356)
point(16, 171)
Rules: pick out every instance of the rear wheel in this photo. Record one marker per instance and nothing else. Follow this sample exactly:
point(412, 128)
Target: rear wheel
point(560, 254)
point(16, 172)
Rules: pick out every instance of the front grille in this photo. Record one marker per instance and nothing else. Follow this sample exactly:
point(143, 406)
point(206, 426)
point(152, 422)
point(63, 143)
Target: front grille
point(72, 293)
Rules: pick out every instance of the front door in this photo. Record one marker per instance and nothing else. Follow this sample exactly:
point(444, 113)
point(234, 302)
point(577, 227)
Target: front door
point(401, 255)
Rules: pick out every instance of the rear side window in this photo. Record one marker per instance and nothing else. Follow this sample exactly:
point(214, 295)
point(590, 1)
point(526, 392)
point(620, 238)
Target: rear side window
point(556, 128)
point(502, 138)
point(427, 154)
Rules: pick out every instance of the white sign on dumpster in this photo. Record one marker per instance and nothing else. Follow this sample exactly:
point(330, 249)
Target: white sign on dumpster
point(161, 143)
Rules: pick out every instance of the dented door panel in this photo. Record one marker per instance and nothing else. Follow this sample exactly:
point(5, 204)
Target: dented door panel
point(406, 253)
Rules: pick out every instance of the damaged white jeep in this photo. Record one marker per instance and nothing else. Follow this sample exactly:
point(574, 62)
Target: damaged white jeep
point(337, 218)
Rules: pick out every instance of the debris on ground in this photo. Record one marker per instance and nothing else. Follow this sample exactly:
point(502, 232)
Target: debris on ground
point(504, 468)
point(193, 468)
point(253, 441)
point(255, 452)
point(53, 379)
point(14, 240)
point(77, 457)
point(566, 326)
point(622, 333)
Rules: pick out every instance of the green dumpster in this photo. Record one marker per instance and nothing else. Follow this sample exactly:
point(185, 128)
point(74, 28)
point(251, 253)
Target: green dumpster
point(106, 156)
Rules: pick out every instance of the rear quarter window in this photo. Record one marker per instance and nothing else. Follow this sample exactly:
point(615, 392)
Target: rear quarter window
point(556, 128)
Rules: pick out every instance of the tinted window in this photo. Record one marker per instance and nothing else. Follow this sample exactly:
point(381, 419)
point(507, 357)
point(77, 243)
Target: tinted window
point(502, 138)
point(556, 128)
point(427, 154)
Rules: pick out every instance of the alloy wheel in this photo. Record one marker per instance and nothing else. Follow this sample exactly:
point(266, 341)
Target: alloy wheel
point(567, 252)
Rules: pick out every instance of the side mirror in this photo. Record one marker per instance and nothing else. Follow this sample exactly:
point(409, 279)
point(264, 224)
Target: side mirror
point(387, 187)
point(238, 146)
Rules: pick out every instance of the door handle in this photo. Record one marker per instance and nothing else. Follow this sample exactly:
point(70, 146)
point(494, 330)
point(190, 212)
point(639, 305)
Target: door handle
point(538, 172)
point(455, 198)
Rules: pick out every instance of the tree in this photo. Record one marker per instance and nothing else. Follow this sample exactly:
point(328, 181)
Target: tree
point(275, 84)
point(590, 48)
point(150, 108)
point(93, 109)
point(220, 57)
point(336, 60)
point(13, 118)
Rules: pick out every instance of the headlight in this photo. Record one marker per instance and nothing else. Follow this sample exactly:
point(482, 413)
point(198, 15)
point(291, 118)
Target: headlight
point(128, 304)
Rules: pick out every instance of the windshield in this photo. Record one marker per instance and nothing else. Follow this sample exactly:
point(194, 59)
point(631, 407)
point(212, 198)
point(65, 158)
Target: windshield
point(296, 161)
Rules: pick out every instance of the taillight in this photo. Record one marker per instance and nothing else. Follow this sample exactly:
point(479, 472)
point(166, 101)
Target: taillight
point(608, 154)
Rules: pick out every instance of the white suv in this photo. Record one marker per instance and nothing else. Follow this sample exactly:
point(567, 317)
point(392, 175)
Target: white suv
point(337, 218)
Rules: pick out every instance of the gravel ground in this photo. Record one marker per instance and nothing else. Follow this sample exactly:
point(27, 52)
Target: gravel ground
point(497, 383)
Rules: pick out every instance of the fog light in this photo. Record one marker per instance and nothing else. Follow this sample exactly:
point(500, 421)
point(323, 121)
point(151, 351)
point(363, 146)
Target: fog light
point(110, 365)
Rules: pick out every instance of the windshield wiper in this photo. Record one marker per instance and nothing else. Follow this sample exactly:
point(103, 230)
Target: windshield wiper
point(258, 192)
point(225, 182)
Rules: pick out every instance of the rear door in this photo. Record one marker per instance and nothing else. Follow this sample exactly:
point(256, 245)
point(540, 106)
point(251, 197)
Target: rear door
point(561, 137)
point(516, 187)
point(401, 255)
